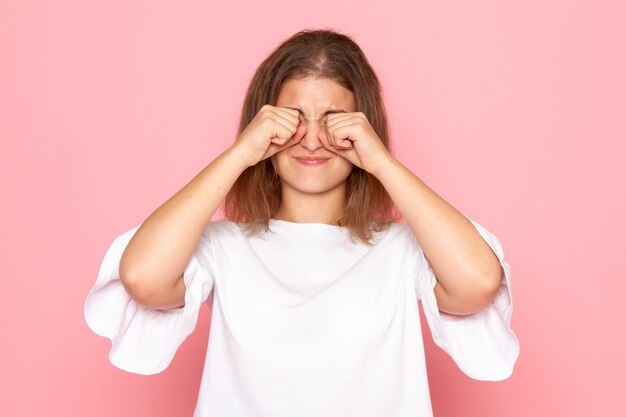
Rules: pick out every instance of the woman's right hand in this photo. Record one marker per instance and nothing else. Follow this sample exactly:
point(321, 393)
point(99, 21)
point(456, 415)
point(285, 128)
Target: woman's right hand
point(270, 131)
point(175, 227)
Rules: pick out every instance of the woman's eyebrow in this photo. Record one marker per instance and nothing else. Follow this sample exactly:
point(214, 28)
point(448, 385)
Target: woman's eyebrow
point(329, 111)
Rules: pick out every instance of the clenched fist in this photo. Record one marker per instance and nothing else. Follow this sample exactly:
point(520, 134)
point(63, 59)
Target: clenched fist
point(270, 131)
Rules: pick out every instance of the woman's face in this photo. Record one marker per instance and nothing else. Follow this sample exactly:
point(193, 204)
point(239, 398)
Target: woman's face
point(308, 167)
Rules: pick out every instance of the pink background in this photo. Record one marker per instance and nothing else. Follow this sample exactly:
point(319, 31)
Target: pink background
point(514, 112)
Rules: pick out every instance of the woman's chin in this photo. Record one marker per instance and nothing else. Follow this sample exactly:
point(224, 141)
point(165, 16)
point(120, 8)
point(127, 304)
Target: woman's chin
point(313, 187)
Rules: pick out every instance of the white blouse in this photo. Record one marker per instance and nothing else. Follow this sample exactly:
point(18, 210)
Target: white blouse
point(306, 322)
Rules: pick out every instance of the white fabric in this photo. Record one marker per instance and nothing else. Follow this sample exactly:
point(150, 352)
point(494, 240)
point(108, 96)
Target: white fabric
point(306, 323)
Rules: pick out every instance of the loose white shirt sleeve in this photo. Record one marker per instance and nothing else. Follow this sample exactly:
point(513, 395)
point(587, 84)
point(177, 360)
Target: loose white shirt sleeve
point(306, 322)
point(482, 344)
point(144, 340)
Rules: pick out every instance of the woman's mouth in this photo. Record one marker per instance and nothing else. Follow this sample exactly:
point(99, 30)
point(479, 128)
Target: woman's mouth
point(311, 160)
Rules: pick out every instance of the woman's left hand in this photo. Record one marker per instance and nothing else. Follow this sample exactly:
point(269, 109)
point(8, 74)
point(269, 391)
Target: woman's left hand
point(351, 136)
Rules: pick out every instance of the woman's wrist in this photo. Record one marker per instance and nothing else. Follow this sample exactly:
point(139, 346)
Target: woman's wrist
point(384, 165)
point(239, 156)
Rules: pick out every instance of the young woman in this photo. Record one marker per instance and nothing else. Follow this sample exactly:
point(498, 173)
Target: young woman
point(312, 281)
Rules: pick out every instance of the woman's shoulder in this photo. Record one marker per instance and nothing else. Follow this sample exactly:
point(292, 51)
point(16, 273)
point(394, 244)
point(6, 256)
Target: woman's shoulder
point(395, 233)
point(398, 228)
point(221, 228)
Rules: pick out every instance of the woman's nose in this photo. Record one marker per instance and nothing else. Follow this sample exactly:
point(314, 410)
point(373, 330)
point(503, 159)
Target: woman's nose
point(311, 140)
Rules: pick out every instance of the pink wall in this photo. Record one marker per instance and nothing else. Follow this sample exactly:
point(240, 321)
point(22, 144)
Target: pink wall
point(514, 112)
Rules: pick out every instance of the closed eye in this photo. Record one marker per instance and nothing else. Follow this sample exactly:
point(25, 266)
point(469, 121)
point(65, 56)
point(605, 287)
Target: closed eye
point(323, 120)
point(326, 113)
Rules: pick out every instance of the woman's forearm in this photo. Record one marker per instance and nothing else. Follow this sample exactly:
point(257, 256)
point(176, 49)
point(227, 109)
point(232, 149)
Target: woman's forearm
point(152, 265)
point(465, 266)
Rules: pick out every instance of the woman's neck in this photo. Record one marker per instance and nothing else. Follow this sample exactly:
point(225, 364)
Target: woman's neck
point(299, 207)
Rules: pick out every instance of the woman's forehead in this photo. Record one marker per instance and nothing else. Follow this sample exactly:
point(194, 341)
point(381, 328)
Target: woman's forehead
point(312, 96)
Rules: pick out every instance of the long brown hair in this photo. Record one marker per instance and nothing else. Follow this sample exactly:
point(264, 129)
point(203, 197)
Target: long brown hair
point(256, 195)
